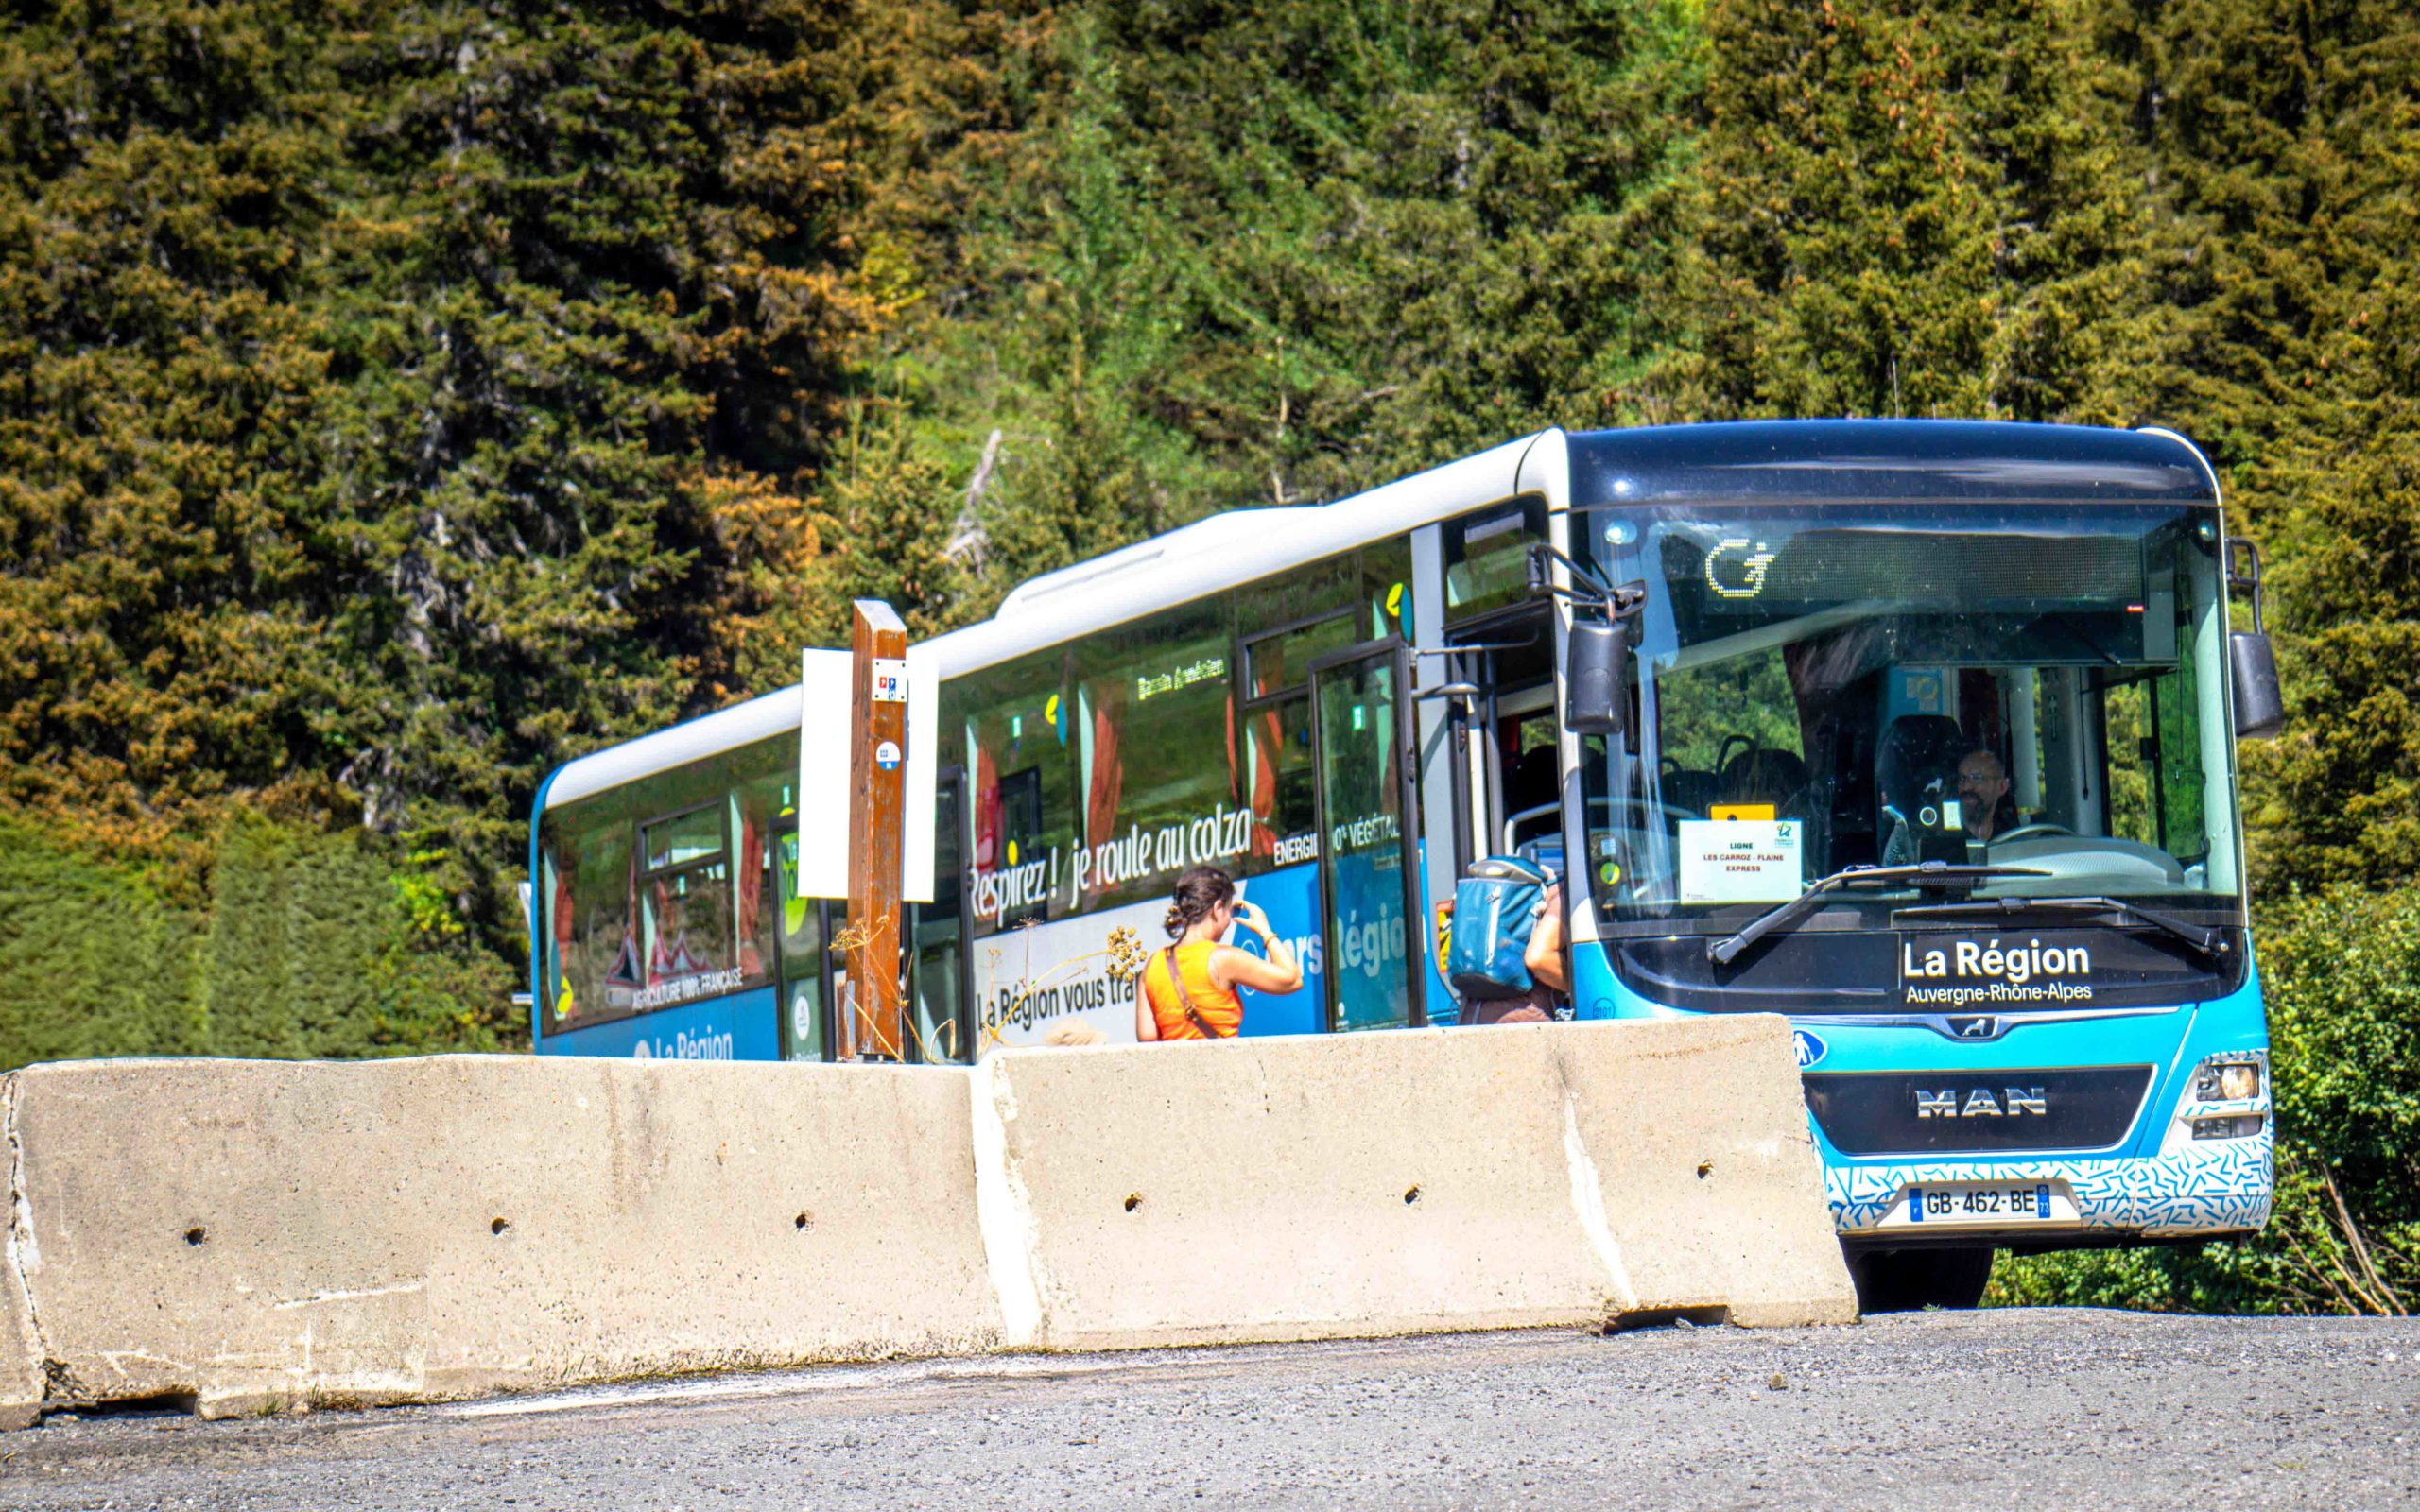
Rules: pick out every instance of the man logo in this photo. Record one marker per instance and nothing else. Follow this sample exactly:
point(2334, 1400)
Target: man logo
point(1811, 1047)
point(2013, 1102)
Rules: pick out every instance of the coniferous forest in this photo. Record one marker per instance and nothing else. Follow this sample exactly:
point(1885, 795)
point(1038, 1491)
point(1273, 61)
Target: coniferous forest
point(397, 399)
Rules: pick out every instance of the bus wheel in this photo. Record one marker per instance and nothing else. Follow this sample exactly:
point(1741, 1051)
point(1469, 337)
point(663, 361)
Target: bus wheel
point(1908, 1281)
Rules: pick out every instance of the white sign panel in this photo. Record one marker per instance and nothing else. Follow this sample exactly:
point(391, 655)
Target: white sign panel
point(923, 775)
point(825, 728)
point(1740, 861)
point(890, 680)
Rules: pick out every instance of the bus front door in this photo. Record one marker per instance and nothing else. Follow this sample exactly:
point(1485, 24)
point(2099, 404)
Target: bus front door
point(1368, 826)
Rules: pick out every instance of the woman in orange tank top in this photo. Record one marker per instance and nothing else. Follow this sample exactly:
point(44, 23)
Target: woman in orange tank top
point(1188, 990)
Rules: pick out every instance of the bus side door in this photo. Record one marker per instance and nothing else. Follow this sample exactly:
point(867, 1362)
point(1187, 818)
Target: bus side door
point(1369, 827)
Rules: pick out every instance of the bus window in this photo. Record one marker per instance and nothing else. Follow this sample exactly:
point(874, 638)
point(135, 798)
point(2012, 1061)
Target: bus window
point(1487, 557)
point(937, 946)
point(1155, 753)
point(2058, 655)
point(1022, 733)
point(1280, 663)
point(1278, 784)
point(760, 816)
point(696, 836)
point(686, 922)
point(801, 948)
point(596, 973)
point(1386, 590)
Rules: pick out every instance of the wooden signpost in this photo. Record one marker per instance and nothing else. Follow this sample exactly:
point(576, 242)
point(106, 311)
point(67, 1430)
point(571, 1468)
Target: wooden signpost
point(870, 1016)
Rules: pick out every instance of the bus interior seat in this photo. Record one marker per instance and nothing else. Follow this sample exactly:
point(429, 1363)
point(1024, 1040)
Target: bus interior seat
point(1758, 776)
point(1694, 792)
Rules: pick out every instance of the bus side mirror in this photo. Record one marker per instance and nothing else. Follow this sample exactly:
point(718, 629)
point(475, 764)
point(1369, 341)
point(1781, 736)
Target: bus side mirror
point(2259, 703)
point(1596, 701)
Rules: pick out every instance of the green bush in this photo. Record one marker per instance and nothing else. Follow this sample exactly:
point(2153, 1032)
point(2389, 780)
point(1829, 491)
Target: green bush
point(309, 945)
point(102, 961)
point(2342, 973)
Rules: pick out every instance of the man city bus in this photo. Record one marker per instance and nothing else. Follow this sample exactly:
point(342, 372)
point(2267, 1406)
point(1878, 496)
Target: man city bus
point(1919, 734)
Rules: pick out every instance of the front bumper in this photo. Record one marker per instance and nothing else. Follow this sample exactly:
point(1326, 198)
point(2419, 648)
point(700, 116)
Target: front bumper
point(2205, 1187)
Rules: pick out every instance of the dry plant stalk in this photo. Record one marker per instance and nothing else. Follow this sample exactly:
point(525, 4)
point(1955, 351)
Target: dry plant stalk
point(2357, 1286)
point(856, 939)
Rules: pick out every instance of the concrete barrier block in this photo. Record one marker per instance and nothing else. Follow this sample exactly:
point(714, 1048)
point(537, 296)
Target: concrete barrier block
point(1372, 1184)
point(21, 1377)
point(1711, 1188)
point(252, 1235)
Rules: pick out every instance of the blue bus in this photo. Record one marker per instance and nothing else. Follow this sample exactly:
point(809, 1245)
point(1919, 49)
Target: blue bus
point(1920, 733)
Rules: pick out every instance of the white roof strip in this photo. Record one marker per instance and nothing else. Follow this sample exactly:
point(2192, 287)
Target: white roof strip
point(1207, 556)
point(1222, 552)
point(744, 723)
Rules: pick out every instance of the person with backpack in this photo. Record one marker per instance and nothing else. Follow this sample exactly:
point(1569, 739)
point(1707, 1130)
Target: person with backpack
point(1503, 957)
point(1550, 992)
point(1188, 990)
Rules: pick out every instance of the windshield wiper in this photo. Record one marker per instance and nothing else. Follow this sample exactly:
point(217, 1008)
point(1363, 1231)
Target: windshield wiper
point(1921, 874)
point(2210, 942)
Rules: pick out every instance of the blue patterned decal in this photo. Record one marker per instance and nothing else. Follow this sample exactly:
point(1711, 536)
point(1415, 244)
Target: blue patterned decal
point(2207, 1186)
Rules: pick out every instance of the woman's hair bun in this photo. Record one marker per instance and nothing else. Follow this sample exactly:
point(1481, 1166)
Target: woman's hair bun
point(1199, 890)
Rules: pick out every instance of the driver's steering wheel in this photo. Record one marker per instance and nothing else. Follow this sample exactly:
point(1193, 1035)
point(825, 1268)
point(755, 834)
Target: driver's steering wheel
point(2026, 832)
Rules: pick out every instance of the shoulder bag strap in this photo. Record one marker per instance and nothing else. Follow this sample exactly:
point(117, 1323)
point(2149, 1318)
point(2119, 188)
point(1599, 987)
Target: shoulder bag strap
point(1184, 1000)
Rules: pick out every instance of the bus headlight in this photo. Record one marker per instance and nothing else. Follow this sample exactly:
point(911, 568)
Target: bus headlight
point(2225, 1079)
point(2225, 1098)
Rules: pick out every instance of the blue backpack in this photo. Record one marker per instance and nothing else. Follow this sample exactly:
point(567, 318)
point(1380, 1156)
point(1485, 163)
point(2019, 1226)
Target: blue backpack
point(1493, 904)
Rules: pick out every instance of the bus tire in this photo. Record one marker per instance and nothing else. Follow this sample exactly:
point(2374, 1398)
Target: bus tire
point(1908, 1280)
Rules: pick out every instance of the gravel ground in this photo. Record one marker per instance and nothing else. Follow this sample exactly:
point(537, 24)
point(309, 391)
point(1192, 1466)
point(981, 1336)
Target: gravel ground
point(1987, 1410)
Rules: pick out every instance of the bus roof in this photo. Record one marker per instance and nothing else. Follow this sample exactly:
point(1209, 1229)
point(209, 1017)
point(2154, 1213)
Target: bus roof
point(1222, 552)
point(1747, 461)
point(1945, 461)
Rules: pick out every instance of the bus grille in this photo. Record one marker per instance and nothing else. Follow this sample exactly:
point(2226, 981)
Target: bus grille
point(1932, 1112)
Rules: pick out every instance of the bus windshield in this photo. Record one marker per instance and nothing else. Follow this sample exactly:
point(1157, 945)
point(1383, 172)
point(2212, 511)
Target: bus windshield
point(1826, 686)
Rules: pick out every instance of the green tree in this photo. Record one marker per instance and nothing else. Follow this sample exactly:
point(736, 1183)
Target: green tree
point(594, 290)
point(167, 174)
point(2291, 136)
point(1275, 255)
point(1919, 211)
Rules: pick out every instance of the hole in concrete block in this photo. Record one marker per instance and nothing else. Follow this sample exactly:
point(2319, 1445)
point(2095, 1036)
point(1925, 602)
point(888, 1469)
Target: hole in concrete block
point(197, 1235)
point(804, 1222)
point(1411, 1195)
point(499, 1225)
point(1706, 1168)
point(1134, 1200)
